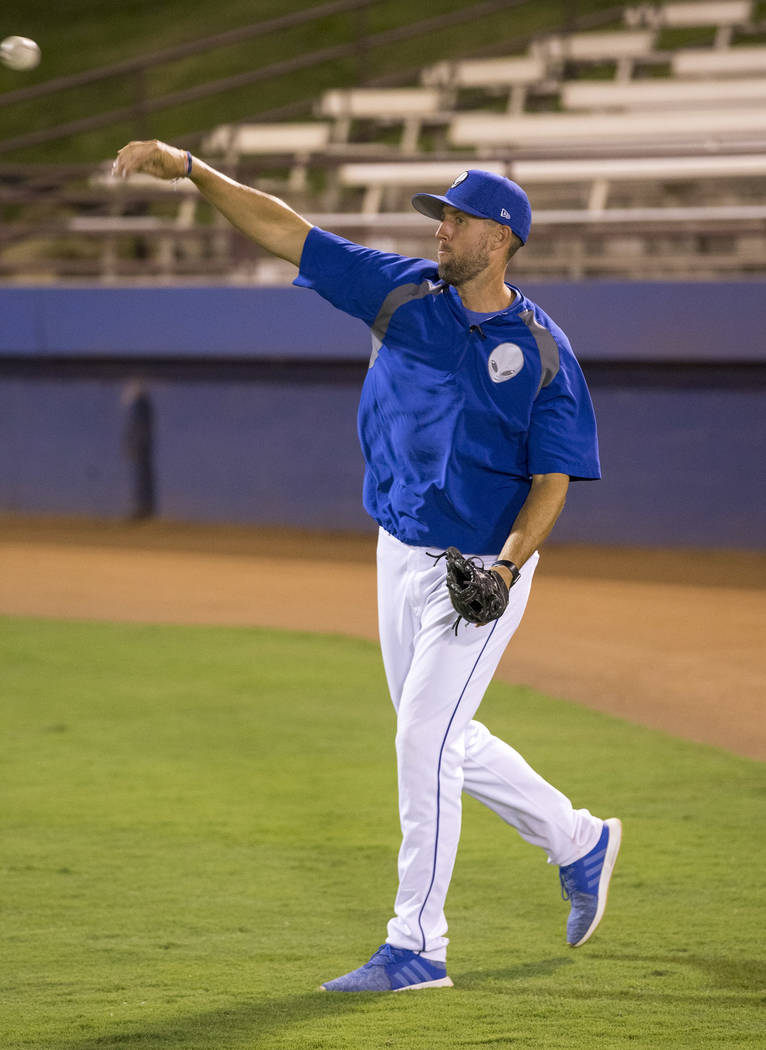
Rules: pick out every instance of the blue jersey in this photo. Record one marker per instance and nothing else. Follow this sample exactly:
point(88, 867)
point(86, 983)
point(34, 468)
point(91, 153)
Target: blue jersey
point(454, 417)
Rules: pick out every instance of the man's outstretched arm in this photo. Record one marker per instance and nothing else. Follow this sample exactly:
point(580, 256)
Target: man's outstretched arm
point(265, 219)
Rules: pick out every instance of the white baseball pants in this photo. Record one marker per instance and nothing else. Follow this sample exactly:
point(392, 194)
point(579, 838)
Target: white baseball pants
point(437, 681)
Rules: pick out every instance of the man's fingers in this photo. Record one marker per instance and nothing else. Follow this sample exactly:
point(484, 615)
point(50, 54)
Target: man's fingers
point(130, 159)
point(150, 158)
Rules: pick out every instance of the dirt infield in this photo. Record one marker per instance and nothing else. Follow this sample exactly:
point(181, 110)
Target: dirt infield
point(672, 640)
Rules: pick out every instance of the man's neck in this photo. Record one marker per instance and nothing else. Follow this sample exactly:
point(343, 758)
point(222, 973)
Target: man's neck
point(485, 297)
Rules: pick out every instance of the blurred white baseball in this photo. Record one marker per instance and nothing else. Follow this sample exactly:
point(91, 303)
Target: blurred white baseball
point(19, 52)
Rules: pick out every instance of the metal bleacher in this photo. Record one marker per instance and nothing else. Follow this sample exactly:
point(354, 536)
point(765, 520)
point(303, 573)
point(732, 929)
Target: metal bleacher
point(627, 171)
point(640, 159)
point(663, 163)
point(512, 76)
point(408, 108)
point(666, 94)
point(626, 48)
point(301, 141)
point(590, 179)
point(727, 62)
point(722, 15)
point(706, 128)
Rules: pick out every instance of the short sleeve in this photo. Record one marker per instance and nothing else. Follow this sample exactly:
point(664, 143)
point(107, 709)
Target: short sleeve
point(353, 278)
point(563, 438)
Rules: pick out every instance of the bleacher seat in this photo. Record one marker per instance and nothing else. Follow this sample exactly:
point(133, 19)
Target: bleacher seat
point(726, 62)
point(564, 131)
point(723, 15)
point(513, 74)
point(403, 178)
point(621, 46)
point(664, 93)
point(268, 138)
point(298, 141)
point(600, 172)
point(410, 107)
point(706, 13)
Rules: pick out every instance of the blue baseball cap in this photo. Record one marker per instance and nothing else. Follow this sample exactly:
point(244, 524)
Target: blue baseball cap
point(484, 195)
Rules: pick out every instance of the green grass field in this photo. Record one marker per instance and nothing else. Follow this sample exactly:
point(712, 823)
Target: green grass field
point(199, 825)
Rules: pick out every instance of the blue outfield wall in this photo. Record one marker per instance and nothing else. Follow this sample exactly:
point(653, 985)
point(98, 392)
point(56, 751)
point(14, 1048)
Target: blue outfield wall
point(604, 320)
point(676, 372)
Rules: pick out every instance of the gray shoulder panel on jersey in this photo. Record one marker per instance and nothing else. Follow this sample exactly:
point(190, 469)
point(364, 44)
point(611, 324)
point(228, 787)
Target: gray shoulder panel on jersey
point(547, 347)
point(398, 297)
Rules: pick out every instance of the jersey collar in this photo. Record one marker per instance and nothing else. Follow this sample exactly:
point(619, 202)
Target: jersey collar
point(457, 304)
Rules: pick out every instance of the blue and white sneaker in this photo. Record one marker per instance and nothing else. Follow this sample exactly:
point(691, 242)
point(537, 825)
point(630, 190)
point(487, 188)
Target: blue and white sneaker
point(585, 884)
point(392, 970)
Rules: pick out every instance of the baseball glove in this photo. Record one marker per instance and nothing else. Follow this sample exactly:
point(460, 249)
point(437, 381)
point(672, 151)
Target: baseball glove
point(478, 594)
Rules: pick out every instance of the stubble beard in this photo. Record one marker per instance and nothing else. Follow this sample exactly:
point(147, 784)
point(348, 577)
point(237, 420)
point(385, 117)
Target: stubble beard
point(459, 270)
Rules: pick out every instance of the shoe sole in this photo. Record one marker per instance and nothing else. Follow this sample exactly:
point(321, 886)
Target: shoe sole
point(442, 982)
point(612, 849)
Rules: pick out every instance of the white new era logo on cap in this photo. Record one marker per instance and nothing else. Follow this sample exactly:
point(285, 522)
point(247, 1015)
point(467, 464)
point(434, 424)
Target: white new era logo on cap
point(504, 214)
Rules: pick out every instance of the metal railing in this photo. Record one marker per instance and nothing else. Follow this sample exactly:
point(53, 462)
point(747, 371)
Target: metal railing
point(135, 233)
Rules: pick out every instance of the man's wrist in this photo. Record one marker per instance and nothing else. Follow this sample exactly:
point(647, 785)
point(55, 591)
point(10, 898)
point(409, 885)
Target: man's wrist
point(184, 158)
point(507, 570)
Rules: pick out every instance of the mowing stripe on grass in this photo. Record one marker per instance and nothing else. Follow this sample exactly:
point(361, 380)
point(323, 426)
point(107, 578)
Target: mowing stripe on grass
point(199, 826)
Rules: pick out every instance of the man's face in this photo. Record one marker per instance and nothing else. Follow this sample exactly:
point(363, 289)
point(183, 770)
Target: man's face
point(463, 250)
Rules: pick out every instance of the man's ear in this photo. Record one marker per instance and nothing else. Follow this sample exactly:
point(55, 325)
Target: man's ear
point(502, 237)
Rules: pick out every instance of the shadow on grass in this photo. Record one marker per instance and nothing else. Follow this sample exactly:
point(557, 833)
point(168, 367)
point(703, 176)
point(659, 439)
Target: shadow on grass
point(520, 972)
point(723, 973)
point(248, 1025)
point(253, 1024)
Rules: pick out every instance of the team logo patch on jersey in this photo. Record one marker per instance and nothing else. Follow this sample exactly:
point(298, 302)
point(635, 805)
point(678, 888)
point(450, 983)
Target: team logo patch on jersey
point(505, 362)
point(461, 178)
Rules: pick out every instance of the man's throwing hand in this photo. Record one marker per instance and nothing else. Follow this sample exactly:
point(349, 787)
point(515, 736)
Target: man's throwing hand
point(150, 158)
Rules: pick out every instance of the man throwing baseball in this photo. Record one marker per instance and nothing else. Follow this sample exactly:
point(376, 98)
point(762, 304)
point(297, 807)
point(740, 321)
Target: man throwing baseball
point(474, 418)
